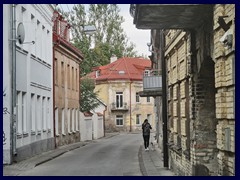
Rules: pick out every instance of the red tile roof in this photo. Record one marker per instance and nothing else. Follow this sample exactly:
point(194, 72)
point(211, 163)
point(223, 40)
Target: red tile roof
point(122, 69)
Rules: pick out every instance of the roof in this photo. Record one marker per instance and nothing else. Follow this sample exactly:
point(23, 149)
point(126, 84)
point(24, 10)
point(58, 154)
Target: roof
point(125, 68)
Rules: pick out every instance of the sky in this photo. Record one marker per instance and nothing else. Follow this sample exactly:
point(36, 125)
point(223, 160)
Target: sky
point(139, 37)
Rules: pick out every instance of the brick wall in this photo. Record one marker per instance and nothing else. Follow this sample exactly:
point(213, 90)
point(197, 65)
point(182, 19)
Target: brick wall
point(224, 58)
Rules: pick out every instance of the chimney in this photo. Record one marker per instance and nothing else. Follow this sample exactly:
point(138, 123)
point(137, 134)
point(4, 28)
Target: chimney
point(113, 58)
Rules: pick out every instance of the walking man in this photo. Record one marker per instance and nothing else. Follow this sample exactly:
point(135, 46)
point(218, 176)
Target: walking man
point(146, 133)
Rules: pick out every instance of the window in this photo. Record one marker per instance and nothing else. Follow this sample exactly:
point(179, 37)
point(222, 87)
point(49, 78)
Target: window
point(69, 116)
point(48, 112)
point(44, 114)
point(68, 75)
point(137, 97)
point(24, 112)
point(119, 120)
point(148, 99)
point(119, 99)
point(73, 85)
point(56, 71)
point(73, 120)
point(147, 73)
point(56, 120)
point(39, 117)
point(138, 119)
point(62, 73)
point(33, 115)
point(76, 79)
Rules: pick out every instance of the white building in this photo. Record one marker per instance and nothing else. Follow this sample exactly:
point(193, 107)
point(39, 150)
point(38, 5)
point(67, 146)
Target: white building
point(34, 87)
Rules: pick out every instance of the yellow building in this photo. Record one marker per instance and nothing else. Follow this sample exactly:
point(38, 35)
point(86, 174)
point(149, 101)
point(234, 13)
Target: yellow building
point(119, 84)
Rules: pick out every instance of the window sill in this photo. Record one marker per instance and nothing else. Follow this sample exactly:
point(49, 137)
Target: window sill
point(25, 134)
point(39, 132)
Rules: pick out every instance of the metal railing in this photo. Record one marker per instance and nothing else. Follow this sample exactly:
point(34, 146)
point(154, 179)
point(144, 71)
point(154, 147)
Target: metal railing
point(115, 107)
point(152, 80)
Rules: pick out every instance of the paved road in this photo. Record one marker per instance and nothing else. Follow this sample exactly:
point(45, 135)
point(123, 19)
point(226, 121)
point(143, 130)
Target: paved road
point(116, 156)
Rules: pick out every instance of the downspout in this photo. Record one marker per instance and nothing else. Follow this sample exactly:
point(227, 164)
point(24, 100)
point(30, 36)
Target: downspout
point(130, 104)
point(164, 100)
point(54, 120)
point(13, 120)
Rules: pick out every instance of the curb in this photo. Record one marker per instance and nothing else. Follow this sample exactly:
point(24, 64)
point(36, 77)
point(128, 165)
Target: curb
point(141, 163)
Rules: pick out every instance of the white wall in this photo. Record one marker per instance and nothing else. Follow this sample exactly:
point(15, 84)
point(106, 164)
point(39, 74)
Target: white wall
point(6, 84)
point(33, 75)
point(86, 126)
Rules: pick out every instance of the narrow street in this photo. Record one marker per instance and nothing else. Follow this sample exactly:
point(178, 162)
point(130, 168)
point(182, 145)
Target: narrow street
point(116, 156)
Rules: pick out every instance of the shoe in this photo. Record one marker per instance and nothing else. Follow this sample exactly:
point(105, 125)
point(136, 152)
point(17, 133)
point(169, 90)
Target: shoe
point(147, 149)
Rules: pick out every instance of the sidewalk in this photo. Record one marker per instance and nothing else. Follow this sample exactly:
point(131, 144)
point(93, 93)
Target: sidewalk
point(151, 163)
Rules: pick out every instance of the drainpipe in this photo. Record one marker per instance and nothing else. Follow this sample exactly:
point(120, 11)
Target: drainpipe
point(13, 120)
point(54, 120)
point(130, 105)
point(164, 100)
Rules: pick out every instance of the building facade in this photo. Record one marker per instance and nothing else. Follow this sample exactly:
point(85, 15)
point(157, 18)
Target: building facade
point(200, 74)
point(119, 84)
point(28, 116)
point(66, 59)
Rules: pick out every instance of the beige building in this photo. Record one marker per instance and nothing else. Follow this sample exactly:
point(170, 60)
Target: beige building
point(67, 60)
point(200, 74)
point(119, 84)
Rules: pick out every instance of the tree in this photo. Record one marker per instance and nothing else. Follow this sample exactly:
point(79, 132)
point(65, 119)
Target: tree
point(88, 98)
point(109, 37)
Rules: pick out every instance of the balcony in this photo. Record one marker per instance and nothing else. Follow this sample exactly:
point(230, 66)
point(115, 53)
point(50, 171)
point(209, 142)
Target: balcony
point(152, 84)
point(115, 107)
point(170, 16)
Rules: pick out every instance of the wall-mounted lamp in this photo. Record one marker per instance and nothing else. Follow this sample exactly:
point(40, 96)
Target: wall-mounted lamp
point(149, 45)
point(227, 38)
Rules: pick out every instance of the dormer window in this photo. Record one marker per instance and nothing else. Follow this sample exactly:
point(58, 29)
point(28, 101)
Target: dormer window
point(97, 73)
point(121, 72)
point(147, 73)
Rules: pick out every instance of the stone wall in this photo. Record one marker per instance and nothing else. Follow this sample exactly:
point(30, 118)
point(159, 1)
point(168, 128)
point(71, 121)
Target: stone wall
point(224, 57)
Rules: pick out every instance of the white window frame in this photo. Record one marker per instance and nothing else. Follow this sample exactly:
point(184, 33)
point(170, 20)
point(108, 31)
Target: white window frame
point(138, 119)
point(69, 116)
point(33, 113)
point(56, 121)
point(44, 114)
point(119, 100)
point(63, 121)
point(73, 120)
point(120, 119)
point(147, 72)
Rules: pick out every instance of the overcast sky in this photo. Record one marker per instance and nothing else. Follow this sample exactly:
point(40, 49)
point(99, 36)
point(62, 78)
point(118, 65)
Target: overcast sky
point(139, 37)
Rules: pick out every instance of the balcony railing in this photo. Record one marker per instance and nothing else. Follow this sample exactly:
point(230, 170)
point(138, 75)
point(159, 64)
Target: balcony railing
point(152, 83)
point(114, 107)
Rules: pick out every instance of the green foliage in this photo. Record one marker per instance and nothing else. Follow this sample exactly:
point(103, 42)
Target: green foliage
point(109, 38)
point(88, 98)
